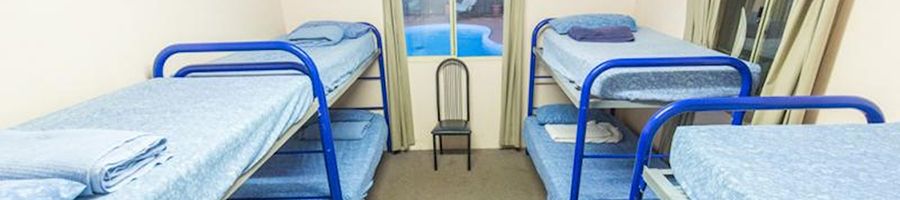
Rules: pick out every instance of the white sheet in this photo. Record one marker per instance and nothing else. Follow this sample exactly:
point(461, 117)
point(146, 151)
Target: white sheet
point(595, 132)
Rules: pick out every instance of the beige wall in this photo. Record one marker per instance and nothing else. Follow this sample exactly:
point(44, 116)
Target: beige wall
point(298, 11)
point(57, 53)
point(667, 16)
point(861, 59)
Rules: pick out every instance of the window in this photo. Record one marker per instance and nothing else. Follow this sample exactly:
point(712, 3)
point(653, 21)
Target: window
point(752, 29)
point(473, 28)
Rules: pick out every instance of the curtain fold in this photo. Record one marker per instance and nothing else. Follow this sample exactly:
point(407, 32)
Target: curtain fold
point(513, 74)
point(402, 133)
point(799, 56)
point(702, 22)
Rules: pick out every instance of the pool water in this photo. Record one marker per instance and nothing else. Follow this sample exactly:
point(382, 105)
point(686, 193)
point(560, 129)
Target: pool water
point(434, 40)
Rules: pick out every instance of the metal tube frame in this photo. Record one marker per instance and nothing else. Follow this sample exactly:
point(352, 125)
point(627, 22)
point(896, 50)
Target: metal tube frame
point(645, 143)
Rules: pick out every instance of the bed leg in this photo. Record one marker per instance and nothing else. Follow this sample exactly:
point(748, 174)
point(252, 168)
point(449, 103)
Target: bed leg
point(434, 150)
point(469, 152)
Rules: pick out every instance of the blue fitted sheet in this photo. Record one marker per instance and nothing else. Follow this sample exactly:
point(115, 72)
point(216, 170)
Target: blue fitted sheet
point(216, 128)
point(335, 63)
point(600, 179)
point(304, 175)
point(788, 162)
point(574, 60)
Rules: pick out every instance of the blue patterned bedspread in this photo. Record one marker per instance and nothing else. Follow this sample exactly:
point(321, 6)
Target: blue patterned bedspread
point(304, 175)
point(574, 60)
point(600, 179)
point(216, 128)
point(335, 63)
point(788, 162)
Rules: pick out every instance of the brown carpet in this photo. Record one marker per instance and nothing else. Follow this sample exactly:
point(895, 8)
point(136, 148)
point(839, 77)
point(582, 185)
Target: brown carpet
point(496, 174)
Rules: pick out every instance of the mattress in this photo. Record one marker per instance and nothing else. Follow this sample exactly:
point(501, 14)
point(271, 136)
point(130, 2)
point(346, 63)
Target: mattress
point(600, 179)
point(574, 60)
point(216, 128)
point(788, 162)
point(335, 63)
point(304, 175)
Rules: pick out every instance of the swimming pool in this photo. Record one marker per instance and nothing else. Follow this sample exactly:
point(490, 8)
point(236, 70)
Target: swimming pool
point(434, 40)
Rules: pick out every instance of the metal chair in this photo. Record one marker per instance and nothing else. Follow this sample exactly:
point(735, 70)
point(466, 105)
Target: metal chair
point(452, 86)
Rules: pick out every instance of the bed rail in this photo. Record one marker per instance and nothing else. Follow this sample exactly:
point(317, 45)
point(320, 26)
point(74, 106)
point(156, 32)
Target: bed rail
point(871, 111)
point(308, 67)
point(239, 67)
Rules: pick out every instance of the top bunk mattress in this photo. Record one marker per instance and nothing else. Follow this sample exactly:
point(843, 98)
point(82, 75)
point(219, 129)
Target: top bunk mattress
point(574, 60)
point(788, 162)
point(335, 63)
point(216, 128)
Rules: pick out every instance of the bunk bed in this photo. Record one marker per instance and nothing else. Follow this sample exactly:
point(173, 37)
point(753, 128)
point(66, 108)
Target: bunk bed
point(837, 161)
point(647, 73)
point(221, 129)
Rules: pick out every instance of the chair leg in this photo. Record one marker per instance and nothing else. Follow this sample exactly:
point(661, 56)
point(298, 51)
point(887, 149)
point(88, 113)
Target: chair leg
point(441, 144)
point(434, 151)
point(469, 152)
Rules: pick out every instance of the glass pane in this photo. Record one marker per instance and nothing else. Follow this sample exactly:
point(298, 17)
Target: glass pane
point(479, 29)
point(427, 26)
point(773, 32)
point(738, 26)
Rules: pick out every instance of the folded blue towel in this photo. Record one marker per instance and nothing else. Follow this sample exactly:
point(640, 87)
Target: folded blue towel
point(562, 25)
point(602, 34)
point(103, 160)
point(53, 188)
point(352, 130)
point(316, 36)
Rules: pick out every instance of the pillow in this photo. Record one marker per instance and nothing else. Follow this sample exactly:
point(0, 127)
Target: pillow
point(565, 114)
point(317, 36)
point(351, 30)
point(347, 116)
point(352, 115)
point(339, 131)
point(53, 188)
point(562, 25)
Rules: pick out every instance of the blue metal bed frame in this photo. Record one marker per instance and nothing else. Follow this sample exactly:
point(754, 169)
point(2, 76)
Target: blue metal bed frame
point(585, 95)
point(307, 67)
point(638, 185)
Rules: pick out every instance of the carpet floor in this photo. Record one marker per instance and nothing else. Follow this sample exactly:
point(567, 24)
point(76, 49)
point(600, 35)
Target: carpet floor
point(496, 174)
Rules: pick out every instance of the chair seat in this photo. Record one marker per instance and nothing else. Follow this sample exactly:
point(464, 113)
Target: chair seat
point(452, 127)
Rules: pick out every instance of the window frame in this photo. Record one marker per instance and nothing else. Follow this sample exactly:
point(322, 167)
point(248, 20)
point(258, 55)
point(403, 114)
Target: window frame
point(454, 50)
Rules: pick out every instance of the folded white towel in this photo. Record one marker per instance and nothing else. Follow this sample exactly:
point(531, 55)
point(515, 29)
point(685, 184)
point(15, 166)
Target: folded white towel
point(595, 132)
point(103, 160)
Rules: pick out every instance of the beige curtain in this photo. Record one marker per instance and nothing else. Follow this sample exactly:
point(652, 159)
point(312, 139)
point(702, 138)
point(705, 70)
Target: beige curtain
point(403, 135)
point(513, 74)
point(702, 22)
point(796, 64)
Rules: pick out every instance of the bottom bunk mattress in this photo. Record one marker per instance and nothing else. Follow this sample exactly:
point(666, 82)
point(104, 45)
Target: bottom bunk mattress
point(600, 179)
point(574, 60)
point(788, 162)
point(216, 128)
point(303, 175)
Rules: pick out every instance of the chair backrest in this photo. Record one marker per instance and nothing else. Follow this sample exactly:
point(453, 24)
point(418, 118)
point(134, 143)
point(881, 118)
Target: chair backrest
point(452, 86)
